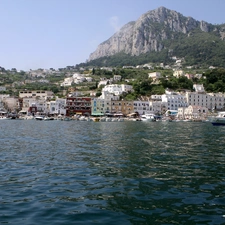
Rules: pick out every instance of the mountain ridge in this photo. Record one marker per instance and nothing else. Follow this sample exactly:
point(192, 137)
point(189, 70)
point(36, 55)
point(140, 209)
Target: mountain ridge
point(151, 31)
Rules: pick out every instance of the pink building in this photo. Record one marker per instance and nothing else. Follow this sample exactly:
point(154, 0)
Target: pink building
point(189, 76)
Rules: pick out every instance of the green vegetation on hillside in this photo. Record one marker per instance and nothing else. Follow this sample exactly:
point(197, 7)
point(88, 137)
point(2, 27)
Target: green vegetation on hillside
point(122, 59)
point(213, 81)
point(199, 48)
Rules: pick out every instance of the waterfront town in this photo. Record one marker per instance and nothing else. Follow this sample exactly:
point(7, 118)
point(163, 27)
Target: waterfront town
point(185, 104)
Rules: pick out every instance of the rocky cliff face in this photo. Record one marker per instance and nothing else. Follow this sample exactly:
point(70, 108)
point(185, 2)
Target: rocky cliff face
point(148, 32)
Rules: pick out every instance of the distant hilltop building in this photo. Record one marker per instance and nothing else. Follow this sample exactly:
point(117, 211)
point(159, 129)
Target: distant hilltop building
point(117, 77)
point(102, 83)
point(2, 88)
point(128, 67)
point(189, 76)
point(154, 75)
point(178, 73)
point(199, 88)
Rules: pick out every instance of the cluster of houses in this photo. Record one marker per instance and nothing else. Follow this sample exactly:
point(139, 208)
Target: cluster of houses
point(75, 79)
point(187, 105)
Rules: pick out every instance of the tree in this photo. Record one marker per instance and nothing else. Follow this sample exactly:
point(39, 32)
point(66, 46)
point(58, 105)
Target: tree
point(98, 94)
point(55, 89)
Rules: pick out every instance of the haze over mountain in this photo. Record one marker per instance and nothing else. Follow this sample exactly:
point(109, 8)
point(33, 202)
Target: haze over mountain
point(163, 29)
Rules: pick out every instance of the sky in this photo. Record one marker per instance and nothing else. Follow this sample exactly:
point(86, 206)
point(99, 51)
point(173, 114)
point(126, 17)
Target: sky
point(59, 33)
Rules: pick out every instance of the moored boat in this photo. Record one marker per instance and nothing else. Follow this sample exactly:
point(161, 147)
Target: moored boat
point(48, 118)
point(96, 119)
point(148, 117)
point(218, 120)
point(4, 118)
point(39, 117)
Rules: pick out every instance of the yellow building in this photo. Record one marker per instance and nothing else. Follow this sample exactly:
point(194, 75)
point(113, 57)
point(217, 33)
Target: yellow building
point(122, 107)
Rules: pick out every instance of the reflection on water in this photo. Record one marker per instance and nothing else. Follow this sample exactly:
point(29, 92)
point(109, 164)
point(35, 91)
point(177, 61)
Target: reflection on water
point(71, 172)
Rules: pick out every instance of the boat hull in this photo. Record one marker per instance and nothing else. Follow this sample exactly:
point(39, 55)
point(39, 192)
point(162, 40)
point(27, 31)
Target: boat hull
point(218, 120)
point(218, 123)
point(39, 118)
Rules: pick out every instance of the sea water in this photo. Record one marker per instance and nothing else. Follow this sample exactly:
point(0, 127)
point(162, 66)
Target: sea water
point(134, 172)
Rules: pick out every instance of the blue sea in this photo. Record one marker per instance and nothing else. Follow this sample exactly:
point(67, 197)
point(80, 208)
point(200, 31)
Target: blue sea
point(133, 172)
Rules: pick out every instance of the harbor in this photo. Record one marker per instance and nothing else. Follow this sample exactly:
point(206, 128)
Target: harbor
point(217, 119)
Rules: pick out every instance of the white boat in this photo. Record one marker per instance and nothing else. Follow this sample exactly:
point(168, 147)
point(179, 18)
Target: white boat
point(218, 120)
point(82, 118)
point(148, 117)
point(28, 117)
point(4, 118)
point(48, 118)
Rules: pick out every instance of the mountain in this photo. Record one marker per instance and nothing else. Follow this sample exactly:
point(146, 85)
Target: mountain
point(166, 31)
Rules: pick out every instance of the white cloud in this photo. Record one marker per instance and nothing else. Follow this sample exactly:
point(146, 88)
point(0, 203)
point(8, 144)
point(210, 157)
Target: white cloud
point(114, 22)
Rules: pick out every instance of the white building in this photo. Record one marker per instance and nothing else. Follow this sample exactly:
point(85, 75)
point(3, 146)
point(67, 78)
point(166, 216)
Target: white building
point(117, 89)
point(156, 97)
point(36, 94)
point(68, 81)
point(43, 81)
point(211, 101)
point(148, 107)
point(174, 101)
point(198, 76)
point(78, 78)
point(199, 88)
point(57, 107)
point(102, 82)
point(42, 106)
point(142, 107)
point(77, 75)
point(181, 113)
point(117, 77)
point(158, 107)
point(89, 79)
point(154, 75)
point(2, 88)
point(192, 112)
point(178, 73)
point(109, 96)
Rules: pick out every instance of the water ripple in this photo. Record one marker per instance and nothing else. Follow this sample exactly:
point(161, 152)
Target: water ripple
point(127, 173)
